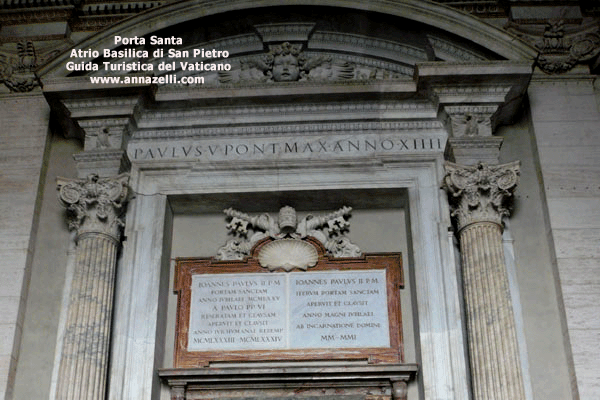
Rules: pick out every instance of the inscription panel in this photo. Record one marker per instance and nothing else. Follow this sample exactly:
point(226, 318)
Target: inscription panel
point(336, 309)
point(239, 311)
point(339, 309)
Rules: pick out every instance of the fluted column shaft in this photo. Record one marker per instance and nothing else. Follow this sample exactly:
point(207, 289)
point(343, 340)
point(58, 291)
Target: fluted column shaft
point(495, 365)
point(478, 201)
point(95, 207)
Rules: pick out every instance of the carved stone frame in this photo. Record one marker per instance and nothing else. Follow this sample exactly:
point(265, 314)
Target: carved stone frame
point(187, 267)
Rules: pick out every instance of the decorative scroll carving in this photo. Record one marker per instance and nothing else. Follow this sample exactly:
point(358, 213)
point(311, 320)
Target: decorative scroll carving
point(480, 193)
point(562, 45)
point(327, 229)
point(95, 205)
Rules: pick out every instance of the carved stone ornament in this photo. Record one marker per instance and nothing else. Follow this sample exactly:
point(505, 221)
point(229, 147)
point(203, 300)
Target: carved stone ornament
point(561, 45)
point(286, 62)
point(480, 193)
point(288, 250)
point(95, 205)
point(17, 71)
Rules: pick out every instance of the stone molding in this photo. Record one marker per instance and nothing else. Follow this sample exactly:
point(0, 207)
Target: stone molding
point(295, 32)
point(245, 43)
point(449, 51)
point(471, 120)
point(95, 205)
point(429, 13)
point(307, 129)
point(480, 193)
point(372, 46)
point(471, 150)
point(294, 109)
point(479, 8)
point(105, 133)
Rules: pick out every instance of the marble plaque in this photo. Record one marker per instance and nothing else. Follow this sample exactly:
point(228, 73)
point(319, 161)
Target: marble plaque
point(301, 310)
point(337, 309)
point(238, 312)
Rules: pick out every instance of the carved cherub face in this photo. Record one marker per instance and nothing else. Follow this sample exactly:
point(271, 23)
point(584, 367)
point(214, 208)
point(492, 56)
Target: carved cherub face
point(285, 68)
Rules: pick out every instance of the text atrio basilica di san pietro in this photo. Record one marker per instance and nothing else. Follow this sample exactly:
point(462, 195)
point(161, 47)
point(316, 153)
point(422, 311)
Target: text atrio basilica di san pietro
point(267, 200)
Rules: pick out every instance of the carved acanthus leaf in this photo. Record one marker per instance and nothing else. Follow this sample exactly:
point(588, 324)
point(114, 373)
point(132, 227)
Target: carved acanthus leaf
point(94, 204)
point(480, 193)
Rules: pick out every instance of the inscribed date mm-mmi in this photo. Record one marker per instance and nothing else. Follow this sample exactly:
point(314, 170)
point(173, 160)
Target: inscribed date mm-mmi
point(333, 309)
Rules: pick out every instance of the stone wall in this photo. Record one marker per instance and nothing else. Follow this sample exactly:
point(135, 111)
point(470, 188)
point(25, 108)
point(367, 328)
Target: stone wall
point(566, 120)
point(23, 134)
point(48, 269)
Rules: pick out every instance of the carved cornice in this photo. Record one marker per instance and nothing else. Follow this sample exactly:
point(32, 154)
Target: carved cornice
point(131, 7)
point(95, 205)
point(37, 3)
point(479, 8)
point(449, 51)
point(293, 32)
point(372, 46)
point(480, 193)
point(471, 120)
point(245, 43)
point(85, 105)
point(488, 93)
point(294, 110)
point(35, 15)
point(366, 68)
point(291, 129)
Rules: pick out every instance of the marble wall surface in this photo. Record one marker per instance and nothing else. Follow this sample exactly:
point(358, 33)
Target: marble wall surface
point(566, 119)
point(23, 134)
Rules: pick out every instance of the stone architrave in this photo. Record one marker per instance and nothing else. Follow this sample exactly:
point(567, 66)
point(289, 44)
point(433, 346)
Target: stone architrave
point(478, 198)
point(95, 206)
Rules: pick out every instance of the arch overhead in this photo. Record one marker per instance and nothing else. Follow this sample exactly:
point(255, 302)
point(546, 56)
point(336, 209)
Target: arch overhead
point(401, 32)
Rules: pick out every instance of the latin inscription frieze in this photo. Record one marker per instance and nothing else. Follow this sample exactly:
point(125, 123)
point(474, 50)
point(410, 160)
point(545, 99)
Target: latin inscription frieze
point(331, 146)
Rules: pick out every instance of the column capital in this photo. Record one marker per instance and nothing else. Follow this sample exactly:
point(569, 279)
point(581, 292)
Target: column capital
point(480, 193)
point(95, 204)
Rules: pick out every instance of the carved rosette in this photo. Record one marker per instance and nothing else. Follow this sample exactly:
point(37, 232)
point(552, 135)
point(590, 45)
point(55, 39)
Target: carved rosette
point(94, 204)
point(480, 193)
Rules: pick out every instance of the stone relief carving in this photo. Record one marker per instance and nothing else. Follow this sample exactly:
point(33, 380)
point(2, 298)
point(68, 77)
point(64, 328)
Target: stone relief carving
point(94, 204)
point(481, 192)
point(328, 229)
point(471, 120)
point(17, 72)
point(286, 62)
point(562, 45)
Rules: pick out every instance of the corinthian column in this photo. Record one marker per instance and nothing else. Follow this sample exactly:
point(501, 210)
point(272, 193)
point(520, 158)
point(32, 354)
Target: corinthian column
point(95, 206)
point(478, 198)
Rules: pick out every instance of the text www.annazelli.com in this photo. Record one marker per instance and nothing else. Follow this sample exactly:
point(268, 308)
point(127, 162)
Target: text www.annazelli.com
point(159, 80)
